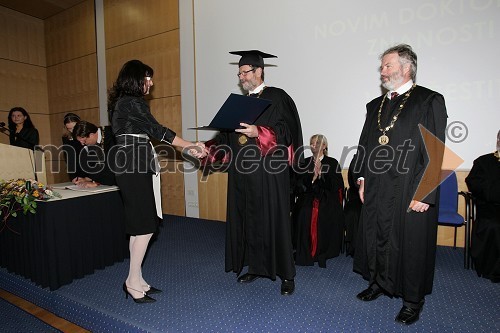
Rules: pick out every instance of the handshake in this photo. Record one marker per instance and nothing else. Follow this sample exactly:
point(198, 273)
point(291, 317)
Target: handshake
point(197, 150)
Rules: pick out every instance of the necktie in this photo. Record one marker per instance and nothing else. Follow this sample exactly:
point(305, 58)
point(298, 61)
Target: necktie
point(254, 95)
point(394, 95)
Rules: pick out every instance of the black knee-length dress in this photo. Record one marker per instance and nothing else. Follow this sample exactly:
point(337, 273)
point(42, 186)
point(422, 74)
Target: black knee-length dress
point(134, 162)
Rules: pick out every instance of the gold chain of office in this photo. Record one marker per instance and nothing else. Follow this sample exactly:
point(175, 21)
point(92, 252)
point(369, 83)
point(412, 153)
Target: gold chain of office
point(384, 139)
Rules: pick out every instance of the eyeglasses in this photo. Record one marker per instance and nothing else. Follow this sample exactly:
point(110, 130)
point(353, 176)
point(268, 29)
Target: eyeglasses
point(244, 73)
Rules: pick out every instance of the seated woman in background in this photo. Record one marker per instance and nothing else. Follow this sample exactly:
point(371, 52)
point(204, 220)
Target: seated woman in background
point(318, 217)
point(71, 147)
point(484, 183)
point(22, 132)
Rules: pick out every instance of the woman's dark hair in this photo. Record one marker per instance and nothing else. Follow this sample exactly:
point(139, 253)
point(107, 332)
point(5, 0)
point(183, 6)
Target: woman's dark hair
point(130, 82)
point(83, 129)
point(27, 123)
point(71, 118)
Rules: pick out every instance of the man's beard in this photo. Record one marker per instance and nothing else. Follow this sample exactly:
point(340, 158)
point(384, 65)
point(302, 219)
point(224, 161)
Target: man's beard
point(247, 86)
point(395, 81)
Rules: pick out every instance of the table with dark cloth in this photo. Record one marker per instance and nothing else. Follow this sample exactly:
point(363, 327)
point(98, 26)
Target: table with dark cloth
point(65, 239)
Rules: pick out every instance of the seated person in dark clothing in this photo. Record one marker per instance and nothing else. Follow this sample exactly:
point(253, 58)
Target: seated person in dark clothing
point(318, 217)
point(22, 132)
point(352, 209)
point(71, 147)
point(484, 183)
point(96, 142)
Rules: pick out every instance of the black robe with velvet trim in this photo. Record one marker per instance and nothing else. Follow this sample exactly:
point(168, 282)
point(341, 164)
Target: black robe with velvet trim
point(328, 189)
point(258, 229)
point(484, 183)
point(397, 248)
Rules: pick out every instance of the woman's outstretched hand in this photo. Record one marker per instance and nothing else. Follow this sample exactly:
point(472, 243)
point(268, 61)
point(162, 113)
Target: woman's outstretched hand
point(198, 150)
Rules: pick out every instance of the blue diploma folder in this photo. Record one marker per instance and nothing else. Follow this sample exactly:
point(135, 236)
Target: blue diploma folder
point(235, 110)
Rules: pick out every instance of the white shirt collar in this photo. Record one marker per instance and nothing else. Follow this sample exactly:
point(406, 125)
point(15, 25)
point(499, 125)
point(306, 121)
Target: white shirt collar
point(258, 89)
point(99, 135)
point(401, 90)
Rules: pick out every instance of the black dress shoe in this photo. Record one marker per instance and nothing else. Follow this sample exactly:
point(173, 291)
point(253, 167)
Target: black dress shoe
point(369, 294)
point(145, 299)
point(408, 315)
point(247, 278)
point(287, 287)
point(152, 290)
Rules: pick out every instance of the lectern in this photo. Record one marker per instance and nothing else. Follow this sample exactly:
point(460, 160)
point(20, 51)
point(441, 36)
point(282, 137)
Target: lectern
point(17, 162)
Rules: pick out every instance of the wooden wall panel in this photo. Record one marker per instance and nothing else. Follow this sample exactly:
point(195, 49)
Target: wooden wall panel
point(161, 52)
point(72, 85)
point(23, 85)
point(23, 76)
point(172, 188)
point(131, 20)
point(168, 112)
point(71, 75)
point(22, 38)
point(212, 196)
point(148, 30)
point(70, 34)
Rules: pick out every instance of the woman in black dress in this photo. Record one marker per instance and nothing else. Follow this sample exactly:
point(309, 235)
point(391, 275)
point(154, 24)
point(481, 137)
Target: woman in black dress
point(134, 162)
point(22, 131)
point(318, 215)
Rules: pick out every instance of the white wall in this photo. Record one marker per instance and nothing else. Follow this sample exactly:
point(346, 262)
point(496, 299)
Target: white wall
point(328, 60)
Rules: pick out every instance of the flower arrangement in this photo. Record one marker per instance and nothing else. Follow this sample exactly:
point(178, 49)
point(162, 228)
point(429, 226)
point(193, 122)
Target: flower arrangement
point(18, 195)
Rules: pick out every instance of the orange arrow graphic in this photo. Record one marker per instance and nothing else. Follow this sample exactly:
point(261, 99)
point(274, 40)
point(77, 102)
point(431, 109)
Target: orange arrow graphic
point(442, 162)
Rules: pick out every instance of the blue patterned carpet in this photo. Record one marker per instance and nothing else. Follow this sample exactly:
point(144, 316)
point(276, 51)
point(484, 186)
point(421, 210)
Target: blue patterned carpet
point(187, 262)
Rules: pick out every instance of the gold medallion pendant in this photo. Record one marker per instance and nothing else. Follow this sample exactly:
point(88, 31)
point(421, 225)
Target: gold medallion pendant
point(242, 139)
point(383, 139)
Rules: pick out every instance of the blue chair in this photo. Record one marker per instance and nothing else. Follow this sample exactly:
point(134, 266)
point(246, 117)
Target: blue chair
point(448, 210)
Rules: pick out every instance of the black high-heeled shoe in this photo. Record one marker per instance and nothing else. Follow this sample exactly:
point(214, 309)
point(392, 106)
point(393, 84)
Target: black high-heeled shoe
point(145, 299)
point(152, 290)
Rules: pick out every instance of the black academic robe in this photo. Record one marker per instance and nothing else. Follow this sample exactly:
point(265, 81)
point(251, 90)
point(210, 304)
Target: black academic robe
point(397, 248)
point(352, 209)
point(258, 228)
point(26, 138)
point(484, 183)
point(327, 193)
point(71, 149)
point(94, 161)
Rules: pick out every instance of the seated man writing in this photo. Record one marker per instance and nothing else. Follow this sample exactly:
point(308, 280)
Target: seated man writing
point(97, 142)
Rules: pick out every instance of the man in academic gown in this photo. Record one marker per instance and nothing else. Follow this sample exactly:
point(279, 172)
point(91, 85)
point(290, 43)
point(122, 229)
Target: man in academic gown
point(258, 229)
point(397, 245)
point(96, 142)
point(484, 183)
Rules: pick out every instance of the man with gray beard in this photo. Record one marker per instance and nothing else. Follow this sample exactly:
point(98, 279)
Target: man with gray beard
point(397, 232)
